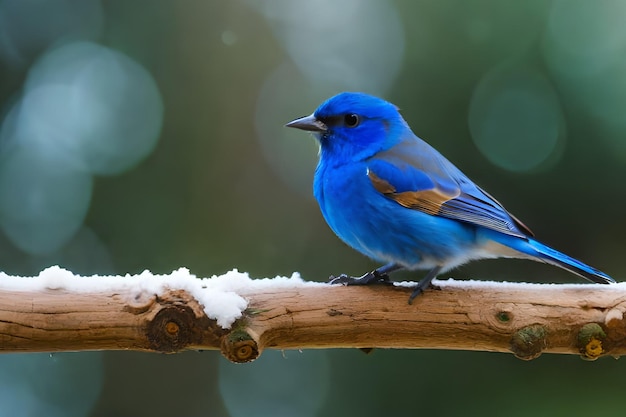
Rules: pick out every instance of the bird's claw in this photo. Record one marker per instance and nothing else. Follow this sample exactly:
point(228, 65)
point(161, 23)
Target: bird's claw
point(419, 289)
point(373, 277)
point(341, 279)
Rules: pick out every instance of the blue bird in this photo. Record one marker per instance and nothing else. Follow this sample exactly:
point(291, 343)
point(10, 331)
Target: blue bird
point(394, 198)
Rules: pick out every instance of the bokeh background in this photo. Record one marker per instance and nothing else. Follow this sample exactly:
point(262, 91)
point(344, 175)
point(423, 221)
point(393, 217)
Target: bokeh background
point(149, 135)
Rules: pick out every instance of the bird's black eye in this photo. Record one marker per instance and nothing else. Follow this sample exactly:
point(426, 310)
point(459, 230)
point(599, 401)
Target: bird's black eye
point(351, 120)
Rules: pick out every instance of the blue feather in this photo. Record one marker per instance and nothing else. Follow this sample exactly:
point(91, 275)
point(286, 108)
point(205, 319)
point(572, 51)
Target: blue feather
point(391, 196)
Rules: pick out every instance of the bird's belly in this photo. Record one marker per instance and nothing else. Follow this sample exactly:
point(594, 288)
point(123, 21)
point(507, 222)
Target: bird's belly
point(388, 232)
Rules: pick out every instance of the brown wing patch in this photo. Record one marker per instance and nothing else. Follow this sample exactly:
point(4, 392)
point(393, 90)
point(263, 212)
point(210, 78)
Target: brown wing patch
point(428, 201)
point(380, 184)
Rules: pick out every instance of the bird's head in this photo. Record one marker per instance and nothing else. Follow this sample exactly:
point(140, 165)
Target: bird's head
point(353, 126)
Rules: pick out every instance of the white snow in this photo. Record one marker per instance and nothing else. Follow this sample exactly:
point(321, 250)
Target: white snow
point(218, 294)
point(501, 285)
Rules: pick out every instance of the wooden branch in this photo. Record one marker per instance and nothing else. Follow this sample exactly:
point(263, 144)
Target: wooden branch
point(524, 319)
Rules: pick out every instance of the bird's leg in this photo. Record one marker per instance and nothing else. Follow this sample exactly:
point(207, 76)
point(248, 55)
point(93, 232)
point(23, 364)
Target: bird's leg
point(377, 276)
point(384, 271)
point(425, 282)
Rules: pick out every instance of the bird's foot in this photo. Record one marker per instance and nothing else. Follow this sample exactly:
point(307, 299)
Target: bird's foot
point(424, 283)
point(419, 289)
point(373, 277)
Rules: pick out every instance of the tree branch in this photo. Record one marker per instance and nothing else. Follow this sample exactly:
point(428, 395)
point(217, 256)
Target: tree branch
point(525, 319)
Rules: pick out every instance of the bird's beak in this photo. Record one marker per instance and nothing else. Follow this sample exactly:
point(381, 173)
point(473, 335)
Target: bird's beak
point(308, 123)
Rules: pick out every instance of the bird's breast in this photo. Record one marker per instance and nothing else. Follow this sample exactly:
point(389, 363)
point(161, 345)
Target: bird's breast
point(342, 193)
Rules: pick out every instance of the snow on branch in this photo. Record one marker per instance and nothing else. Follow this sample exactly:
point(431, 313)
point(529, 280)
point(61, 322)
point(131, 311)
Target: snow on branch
point(58, 311)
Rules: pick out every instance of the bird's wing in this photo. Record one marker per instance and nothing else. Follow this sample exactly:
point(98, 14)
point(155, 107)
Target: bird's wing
point(416, 176)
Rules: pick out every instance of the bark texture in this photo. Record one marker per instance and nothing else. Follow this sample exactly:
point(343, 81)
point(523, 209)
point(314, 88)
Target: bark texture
point(526, 320)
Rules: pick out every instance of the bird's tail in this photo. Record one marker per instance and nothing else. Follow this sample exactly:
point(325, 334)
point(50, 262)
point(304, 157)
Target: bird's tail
point(538, 251)
point(554, 257)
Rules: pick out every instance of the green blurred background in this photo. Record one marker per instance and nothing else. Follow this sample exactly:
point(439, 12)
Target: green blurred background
point(149, 135)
